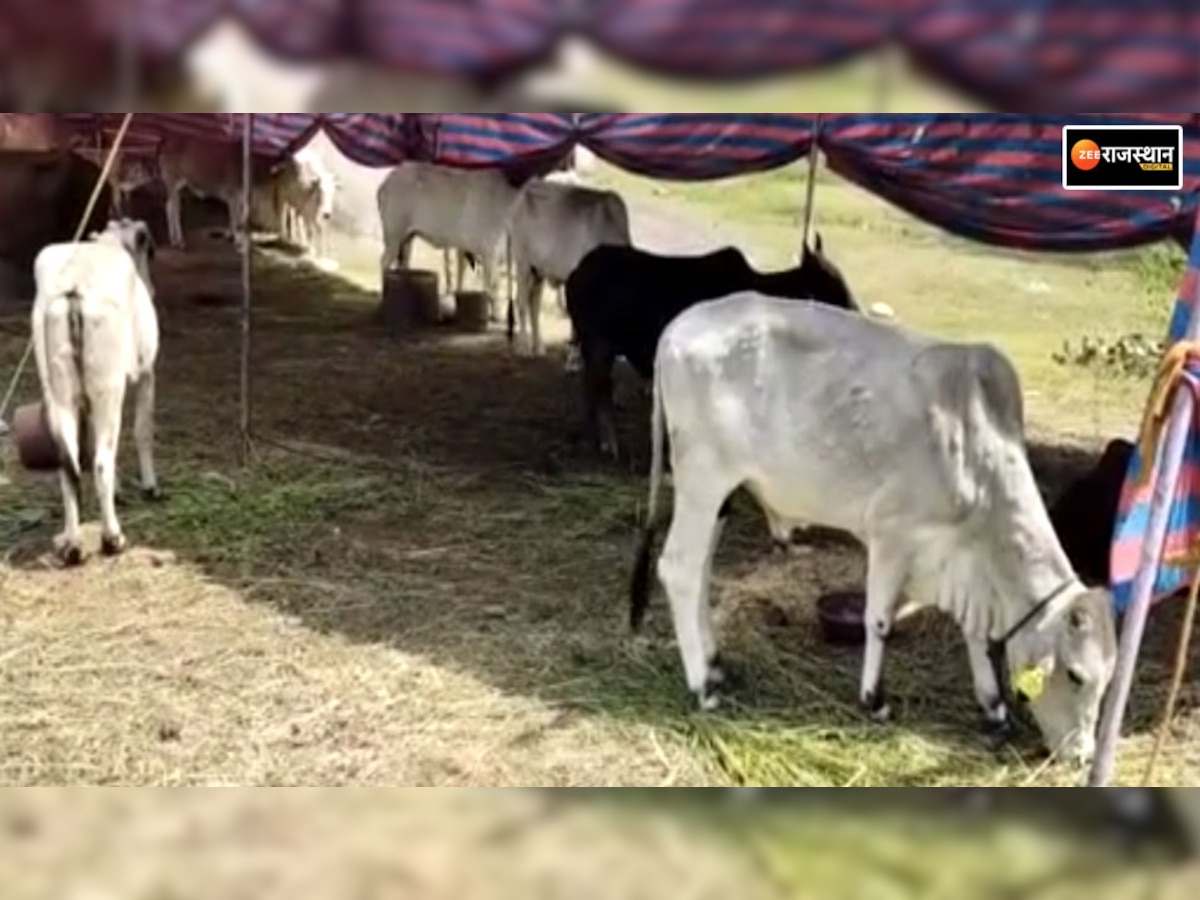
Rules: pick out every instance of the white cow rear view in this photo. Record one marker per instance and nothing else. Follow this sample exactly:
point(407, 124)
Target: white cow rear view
point(95, 331)
point(914, 446)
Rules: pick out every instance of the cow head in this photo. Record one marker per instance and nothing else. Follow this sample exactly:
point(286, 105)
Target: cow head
point(134, 235)
point(822, 279)
point(1061, 666)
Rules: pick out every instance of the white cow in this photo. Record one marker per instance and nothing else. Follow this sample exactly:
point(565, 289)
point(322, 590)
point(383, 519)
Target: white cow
point(452, 209)
point(553, 227)
point(95, 331)
point(454, 262)
point(914, 446)
point(304, 190)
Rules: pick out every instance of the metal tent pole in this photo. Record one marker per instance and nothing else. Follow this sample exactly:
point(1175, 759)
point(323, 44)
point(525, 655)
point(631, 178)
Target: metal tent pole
point(244, 387)
point(811, 187)
point(1117, 700)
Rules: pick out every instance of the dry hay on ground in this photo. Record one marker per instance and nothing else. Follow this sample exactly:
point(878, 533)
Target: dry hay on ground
point(432, 591)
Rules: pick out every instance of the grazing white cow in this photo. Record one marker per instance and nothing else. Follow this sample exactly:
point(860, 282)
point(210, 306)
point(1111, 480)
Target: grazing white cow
point(304, 190)
point(452, 209)
point(913, 445)
point(554, 226)
point(95, 331)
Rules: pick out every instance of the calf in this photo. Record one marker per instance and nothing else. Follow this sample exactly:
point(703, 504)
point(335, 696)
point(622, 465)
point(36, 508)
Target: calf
point(555, 226)
point(452, 209)
point(95, 331)
point(914, 446)
point(304, 191)
point(620, 299)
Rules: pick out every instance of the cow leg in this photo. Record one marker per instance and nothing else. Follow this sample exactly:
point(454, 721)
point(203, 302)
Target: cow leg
point(396, 251)
point(175, 216)
point(683, 568)
point(106, 419)
point(446, 273)
point(534, 299)
point(529, 305)
point(239, 226)
point(717, 673)
point(460, 273)
point(886, 574)
point(69, 543)
point(143, 435)
point(996, 724)
point(598, 362)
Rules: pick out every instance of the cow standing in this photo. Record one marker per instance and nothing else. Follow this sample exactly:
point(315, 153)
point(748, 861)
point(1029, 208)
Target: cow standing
point(620, 300)
point(209, 169)
point(914, 446)
point(304, 191)
point(95, 331)
point(555, 226)
point(452, 209)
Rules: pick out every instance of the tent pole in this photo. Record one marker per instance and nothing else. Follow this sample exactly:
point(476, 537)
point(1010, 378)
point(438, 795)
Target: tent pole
point(811, 187)
point(244, 406)
point(1117, 700)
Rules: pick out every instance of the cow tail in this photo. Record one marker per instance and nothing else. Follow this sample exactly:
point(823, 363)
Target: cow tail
point(72, 451)
point(639, 588)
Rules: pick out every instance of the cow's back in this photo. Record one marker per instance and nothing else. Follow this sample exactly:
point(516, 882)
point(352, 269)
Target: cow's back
point(556, 225)
point(628, 296)
point(828, 416)
point(51, 191)
point(444, 205)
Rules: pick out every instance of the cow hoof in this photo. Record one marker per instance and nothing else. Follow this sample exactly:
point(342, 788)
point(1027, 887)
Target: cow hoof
point(996, 733)
point(153, 494)
point(708, 699)
point(112, 544)
point(877, 708)
point(69, 552)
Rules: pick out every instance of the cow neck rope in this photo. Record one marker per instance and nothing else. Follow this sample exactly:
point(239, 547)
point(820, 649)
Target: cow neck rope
point(996, 648)
point(105, 170)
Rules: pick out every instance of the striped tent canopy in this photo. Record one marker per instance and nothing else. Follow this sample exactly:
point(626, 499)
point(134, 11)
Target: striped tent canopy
point(990, 177)
point(1033, 55)
point(1183, 522)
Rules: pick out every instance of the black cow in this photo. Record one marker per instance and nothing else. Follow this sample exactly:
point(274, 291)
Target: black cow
point(621, 299)
point(1085, 516)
